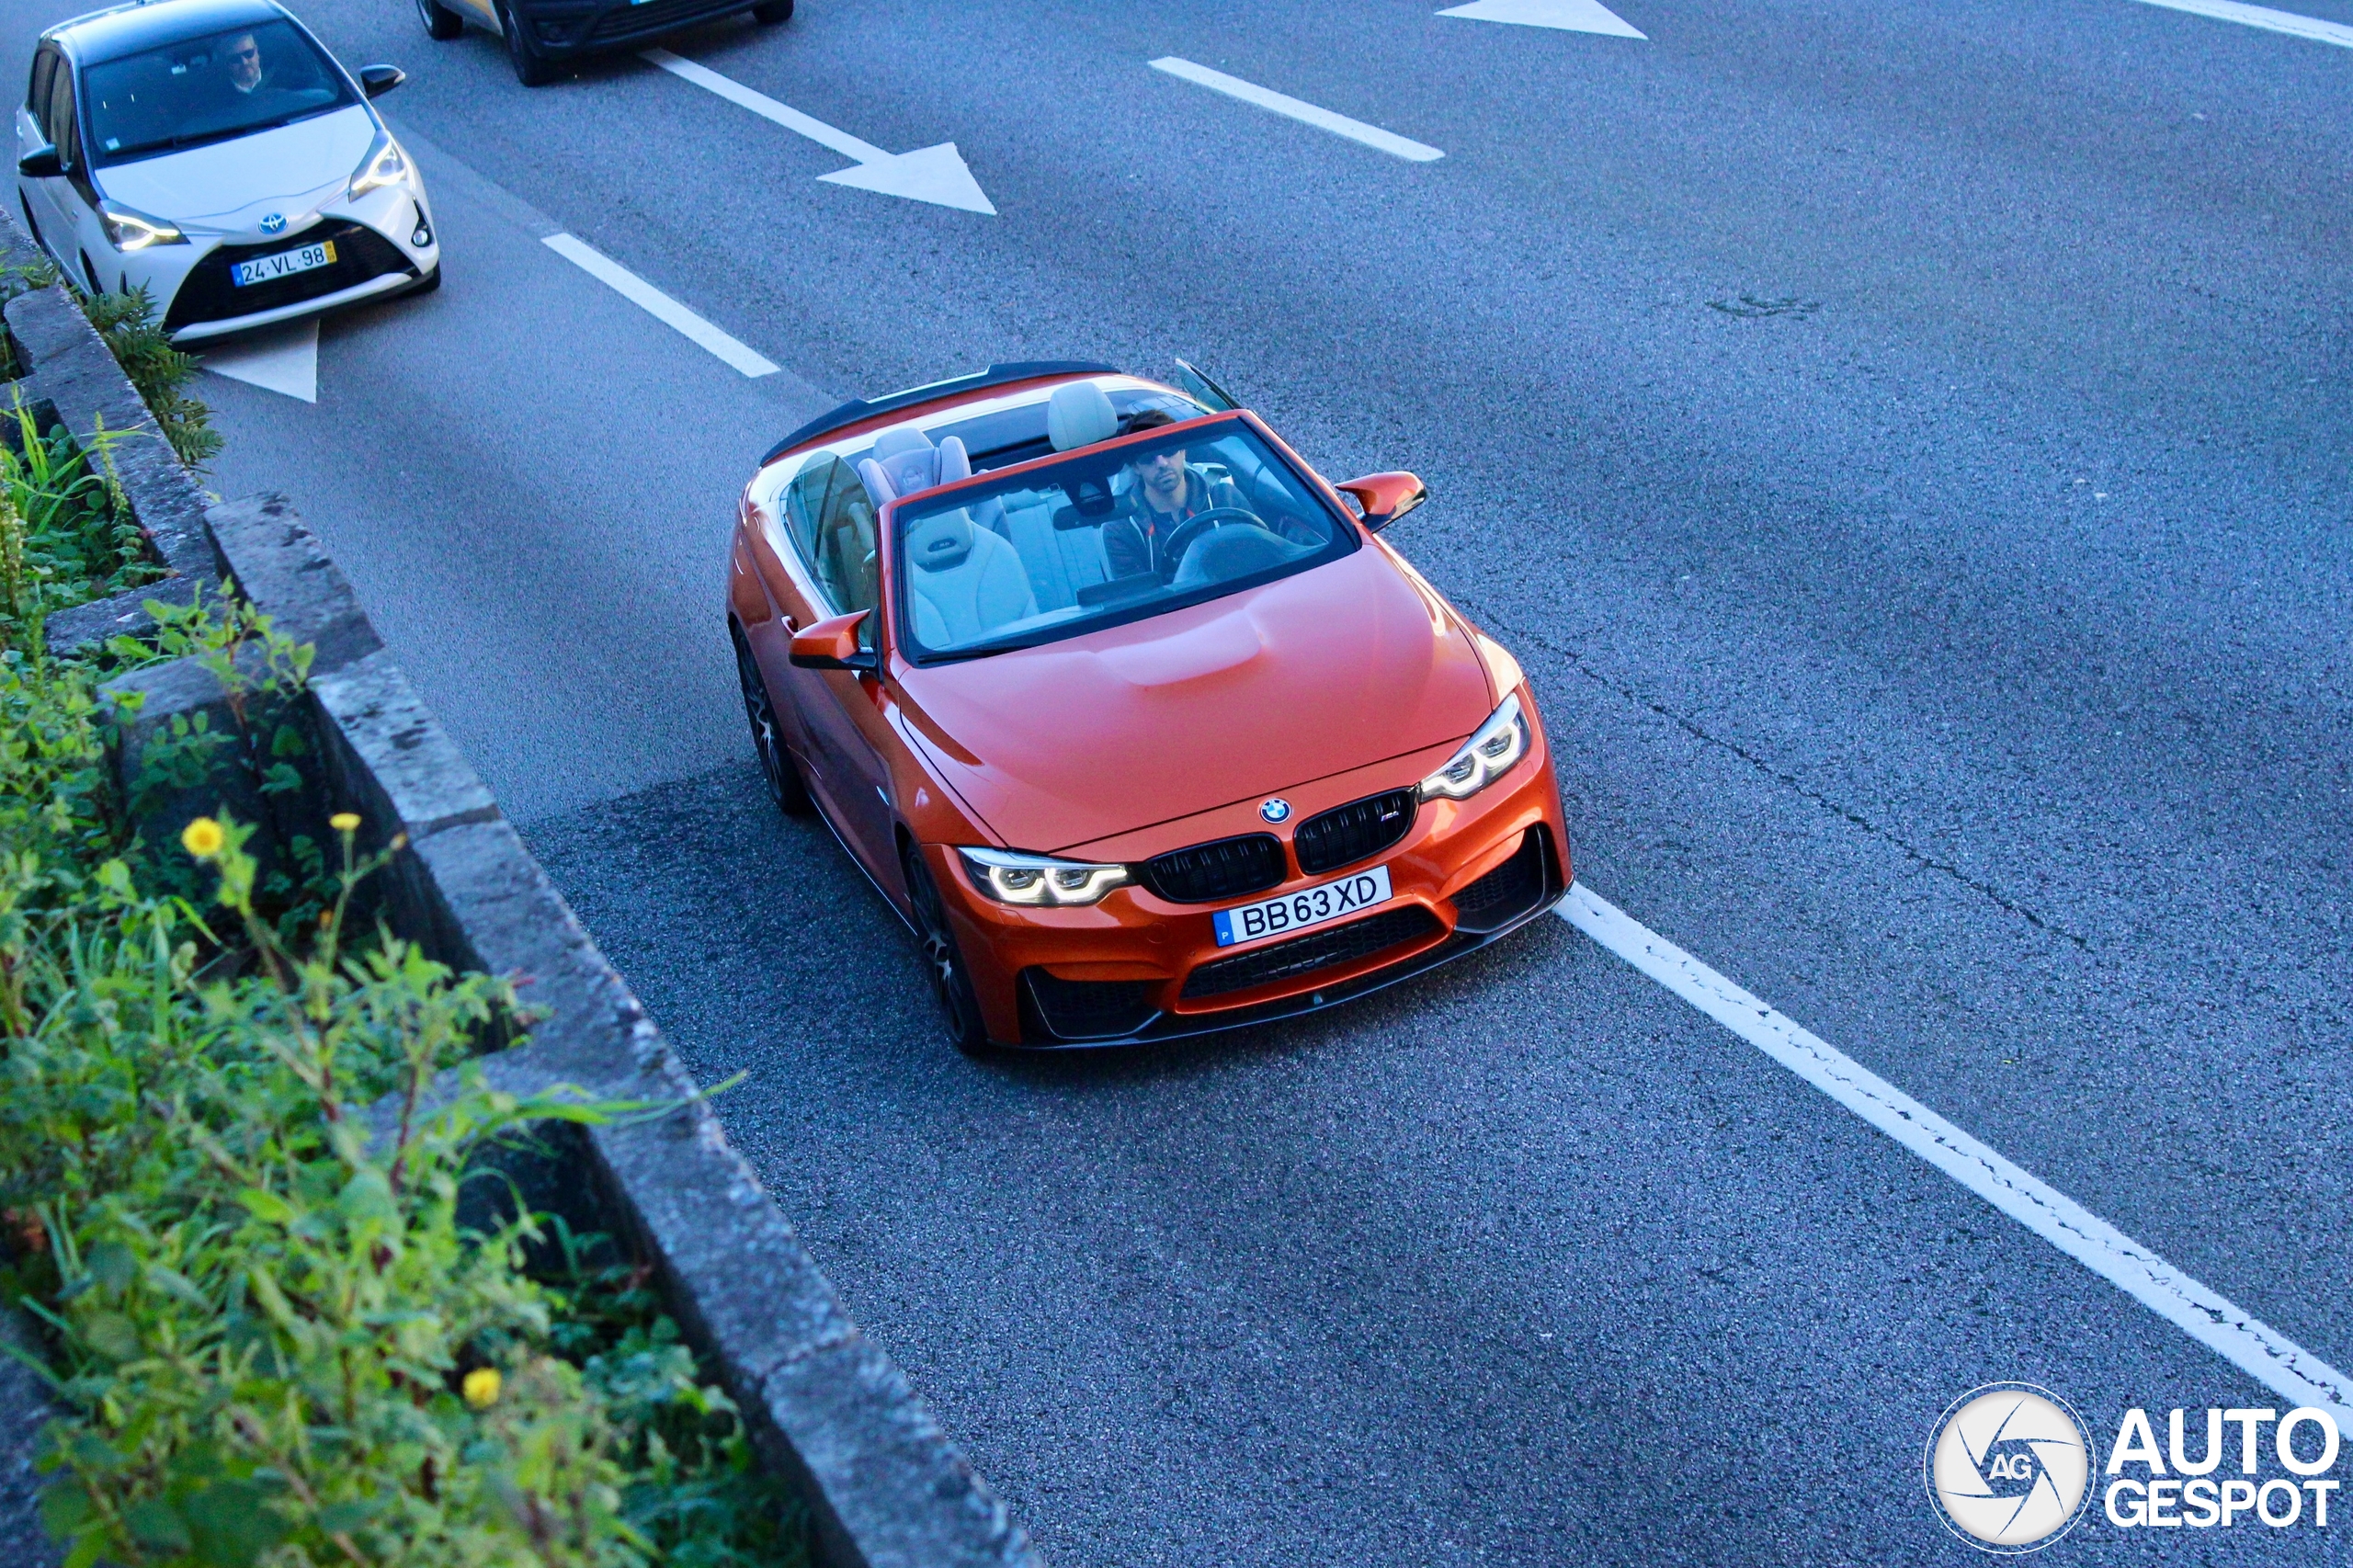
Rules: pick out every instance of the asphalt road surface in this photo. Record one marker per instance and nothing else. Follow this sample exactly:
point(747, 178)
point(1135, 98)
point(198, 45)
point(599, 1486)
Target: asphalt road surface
point(1907, 444)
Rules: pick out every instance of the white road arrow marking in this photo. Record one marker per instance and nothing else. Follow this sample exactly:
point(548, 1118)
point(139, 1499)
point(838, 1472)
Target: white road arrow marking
point(937, 175)
point(1568, 15)
point(284, 359)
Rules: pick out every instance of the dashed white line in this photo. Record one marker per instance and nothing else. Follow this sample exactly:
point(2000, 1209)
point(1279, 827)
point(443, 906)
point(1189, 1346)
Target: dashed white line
point(657, 305)
point(766, 107)
point(2255, 1348)
point(2265, 17)
point(1387, 141)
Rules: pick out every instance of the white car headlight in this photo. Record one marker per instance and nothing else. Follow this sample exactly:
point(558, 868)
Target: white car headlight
point(1486, 756)
point(385, 165)
point(129, 228)
point(1036, 880)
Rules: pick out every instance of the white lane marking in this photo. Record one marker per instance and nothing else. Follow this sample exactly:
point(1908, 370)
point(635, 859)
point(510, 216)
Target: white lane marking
point(937, 175)
point(1321, 119)
point(1568, 15)
point(281, 360)
point(2265, 17)
point(657, 305)
point(2255, 1348)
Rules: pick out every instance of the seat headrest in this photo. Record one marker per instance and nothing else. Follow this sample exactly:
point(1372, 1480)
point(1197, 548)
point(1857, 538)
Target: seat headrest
point(941, 541)
point(904, 460)
point(1079, 415)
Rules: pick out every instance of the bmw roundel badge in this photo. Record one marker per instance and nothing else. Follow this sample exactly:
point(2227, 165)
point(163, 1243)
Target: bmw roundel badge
point(273, 222)
point(1275, 810)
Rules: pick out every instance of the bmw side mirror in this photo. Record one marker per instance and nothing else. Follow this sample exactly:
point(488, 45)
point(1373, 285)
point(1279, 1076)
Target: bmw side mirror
point(377, 80)
point(41, 162)
point(833, 645)
point(1385, 497)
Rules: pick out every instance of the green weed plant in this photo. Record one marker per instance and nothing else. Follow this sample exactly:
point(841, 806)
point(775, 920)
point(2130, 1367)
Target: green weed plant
point(272, 1341)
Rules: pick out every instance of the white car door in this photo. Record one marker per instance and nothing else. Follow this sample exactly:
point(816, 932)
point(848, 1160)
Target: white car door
point(69, 224)
point(35, 201)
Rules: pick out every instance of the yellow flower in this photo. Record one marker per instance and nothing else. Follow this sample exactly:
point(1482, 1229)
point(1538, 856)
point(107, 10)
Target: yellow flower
point(203, 838)
point(481, 1387)
point(344, 821)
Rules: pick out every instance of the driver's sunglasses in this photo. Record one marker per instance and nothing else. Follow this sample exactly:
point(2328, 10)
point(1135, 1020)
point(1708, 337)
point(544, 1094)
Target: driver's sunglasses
point(251, 51)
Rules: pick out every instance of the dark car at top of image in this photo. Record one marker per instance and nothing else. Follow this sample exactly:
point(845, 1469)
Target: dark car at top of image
point(544, 38)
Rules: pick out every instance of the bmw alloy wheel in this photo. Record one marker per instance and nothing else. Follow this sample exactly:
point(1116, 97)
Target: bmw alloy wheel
point(949, 981)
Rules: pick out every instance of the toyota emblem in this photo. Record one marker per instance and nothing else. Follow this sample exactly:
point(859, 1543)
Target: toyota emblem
point(1276, 810)
point(272, 223)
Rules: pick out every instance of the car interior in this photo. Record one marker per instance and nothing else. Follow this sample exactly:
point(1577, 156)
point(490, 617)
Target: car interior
point(1032, 557)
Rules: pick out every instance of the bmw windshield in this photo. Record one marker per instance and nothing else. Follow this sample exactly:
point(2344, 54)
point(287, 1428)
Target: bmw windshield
point(1105, 535)
point(207, 89)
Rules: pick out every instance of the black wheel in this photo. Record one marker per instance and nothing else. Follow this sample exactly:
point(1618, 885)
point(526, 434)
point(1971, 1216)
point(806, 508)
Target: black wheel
point(768, 13)
point(775, 763)
point(530, 69)
point(440, 22)
point(950, 982)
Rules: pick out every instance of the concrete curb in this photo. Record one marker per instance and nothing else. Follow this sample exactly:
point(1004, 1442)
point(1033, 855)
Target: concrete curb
point(829, 1410)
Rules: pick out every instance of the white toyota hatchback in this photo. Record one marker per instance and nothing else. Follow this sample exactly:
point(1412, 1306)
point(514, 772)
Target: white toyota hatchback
point(213, 151)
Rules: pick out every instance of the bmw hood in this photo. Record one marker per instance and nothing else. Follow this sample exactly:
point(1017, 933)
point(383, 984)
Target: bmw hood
point(292, 170)
point(1240, 698)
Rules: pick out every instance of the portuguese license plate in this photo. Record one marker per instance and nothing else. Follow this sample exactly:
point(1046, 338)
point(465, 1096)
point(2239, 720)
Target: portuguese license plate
point(285, 264)
point(1308, 906)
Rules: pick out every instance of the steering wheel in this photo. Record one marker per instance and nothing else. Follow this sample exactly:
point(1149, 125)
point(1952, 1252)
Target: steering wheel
point(1188, 533)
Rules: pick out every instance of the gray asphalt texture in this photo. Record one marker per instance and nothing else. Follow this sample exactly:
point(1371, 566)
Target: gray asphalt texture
point(1906, 444)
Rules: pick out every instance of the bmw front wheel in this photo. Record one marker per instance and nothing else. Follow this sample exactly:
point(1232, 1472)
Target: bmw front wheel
point(950, 982)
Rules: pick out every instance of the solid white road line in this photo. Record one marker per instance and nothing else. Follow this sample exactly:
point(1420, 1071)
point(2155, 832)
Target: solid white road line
point(2265, 17)
point(2260, 1351)
point(1307, 113)
point(657, 305)
point(935, 175)
point(1568, 15)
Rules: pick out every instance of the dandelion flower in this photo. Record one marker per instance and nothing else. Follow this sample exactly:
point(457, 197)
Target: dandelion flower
point(203, 838)
point(344, 821)
point(481, 1387)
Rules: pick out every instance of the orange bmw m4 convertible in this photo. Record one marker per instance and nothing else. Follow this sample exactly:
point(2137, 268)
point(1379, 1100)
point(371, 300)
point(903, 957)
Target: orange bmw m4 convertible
point(1129, 713)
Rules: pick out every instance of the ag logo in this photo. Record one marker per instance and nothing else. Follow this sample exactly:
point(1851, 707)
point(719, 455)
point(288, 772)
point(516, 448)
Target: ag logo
point(1275, 810)
point(2009, 1466)
point(273, 222)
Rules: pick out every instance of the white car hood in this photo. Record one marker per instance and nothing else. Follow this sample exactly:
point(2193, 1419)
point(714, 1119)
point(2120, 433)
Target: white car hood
point(292, 170)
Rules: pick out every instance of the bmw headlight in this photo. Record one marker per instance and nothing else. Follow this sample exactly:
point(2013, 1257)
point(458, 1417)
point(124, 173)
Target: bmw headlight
point(384, 164)
point(1039, 880)
point(1486, 756)
point(129, 230)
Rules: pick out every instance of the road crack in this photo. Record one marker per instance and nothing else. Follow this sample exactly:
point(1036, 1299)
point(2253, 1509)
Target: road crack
point(1781, 775)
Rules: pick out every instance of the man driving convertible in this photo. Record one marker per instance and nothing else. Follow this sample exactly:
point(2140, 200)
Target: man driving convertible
point(1163, 494)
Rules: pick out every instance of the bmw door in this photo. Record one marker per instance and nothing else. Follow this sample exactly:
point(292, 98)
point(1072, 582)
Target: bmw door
point(830, 523)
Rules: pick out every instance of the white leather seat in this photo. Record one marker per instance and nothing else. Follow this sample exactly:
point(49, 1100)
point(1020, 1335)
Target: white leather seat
point(967, 582)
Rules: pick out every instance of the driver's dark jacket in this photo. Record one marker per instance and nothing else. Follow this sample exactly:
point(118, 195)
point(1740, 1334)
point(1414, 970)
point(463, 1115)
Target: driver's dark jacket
point(1136, 539)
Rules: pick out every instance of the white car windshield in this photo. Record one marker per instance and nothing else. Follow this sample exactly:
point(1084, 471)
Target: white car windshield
point(205, 89)
point(1106, 536)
